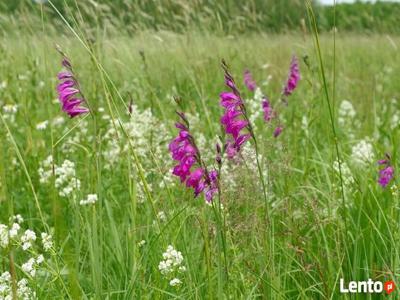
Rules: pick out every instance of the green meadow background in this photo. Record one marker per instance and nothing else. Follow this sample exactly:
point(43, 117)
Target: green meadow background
point(145, 53)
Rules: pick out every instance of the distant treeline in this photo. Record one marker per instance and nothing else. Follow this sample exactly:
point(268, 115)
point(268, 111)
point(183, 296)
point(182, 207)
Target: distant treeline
point(224, 16)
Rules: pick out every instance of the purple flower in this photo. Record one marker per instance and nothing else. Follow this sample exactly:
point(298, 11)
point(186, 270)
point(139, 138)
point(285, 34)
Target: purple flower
point(249, 81)
point(69, 93)
point(233, 120)
point(385, 176)
point(293, 78)
point(387, 173)
point(183, 150)
point(267, 108)
point(278, 131)
point(212, 187)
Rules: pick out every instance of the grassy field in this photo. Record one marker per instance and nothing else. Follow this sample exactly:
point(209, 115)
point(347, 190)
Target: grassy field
point(317, 226)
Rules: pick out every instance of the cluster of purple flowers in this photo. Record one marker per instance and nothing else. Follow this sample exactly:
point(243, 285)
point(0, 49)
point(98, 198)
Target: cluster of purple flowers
point(293, 78)
point(249, 81)
point(234, 119)
point(387, 173)
point(69, 92)
point(290, 86)
point(191, 169)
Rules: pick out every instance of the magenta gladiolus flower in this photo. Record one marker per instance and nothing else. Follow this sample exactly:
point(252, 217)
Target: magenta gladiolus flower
point(267, 108)
point(183, 149)
point(249, 81)
point(293, 78)
point(385, 176)
point(69, 92)
point(387, 173)
point(233, 120)
point(278, 131)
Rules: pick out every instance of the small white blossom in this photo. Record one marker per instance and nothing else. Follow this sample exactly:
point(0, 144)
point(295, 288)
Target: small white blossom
point(27, 239)
point(42, 125)
point(175, 282)
point(57, 121)
point(45, 171)
point(4, 240)
point(47, 241)
point(66, 180)
point(162, 216)
point(363, 152)
point(91, 199)
point(29, 267)
point(172, 260)
point(14, 230)
point(40, 259)
point(24, 291)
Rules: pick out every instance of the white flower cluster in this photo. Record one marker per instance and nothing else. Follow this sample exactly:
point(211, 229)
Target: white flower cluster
point(140, 129)
point(45, 170)
point(80, 134)
point(10, 110)
point(347, 176)
point(347, 118)
point(42, 125)
point(32, 265)
point(66, 180)
point(90, 199)
point(171, 265)
point(25, 241)
point(4, 240)
point(363, 152)
point(162, 216)
point(24, 292)
point(254, 106)
point(346, 112)
point(47, 241)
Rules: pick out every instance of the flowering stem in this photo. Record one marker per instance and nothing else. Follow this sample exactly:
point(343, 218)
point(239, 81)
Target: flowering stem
point(261, 175)
point(221, 244)
point(13, 275)
point(223, 224)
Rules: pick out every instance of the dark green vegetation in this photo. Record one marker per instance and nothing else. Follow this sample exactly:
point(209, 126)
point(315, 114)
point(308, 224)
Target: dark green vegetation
point(223, 17)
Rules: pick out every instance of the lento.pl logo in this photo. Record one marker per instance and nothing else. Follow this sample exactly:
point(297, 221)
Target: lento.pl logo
point(369, 286)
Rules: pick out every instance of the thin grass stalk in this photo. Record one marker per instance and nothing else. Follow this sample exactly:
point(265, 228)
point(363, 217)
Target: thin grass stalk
point(313, 22)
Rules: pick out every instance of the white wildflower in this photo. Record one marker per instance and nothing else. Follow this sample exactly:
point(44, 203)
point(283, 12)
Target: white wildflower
point(5, 286)
point(42, 125)
point(10, 110)
point(347, 176)
point(362, 152)
point(162, 216)
point(40, 259)
point(90, 199)
point(29, 267)
point(17, 218)
point(14, 230)
point(27, 239)
point(172, 261)
point(57, 121)
point(66, 180)
point(175, 282)
point(4, 240)
point(47, 241)
point(45, 170)
point(24, 291)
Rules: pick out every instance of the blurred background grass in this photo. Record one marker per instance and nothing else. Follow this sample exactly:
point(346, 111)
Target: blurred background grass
point(220, 17)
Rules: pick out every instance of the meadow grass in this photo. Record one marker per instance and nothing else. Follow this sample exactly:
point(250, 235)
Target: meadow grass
point(310, 237)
